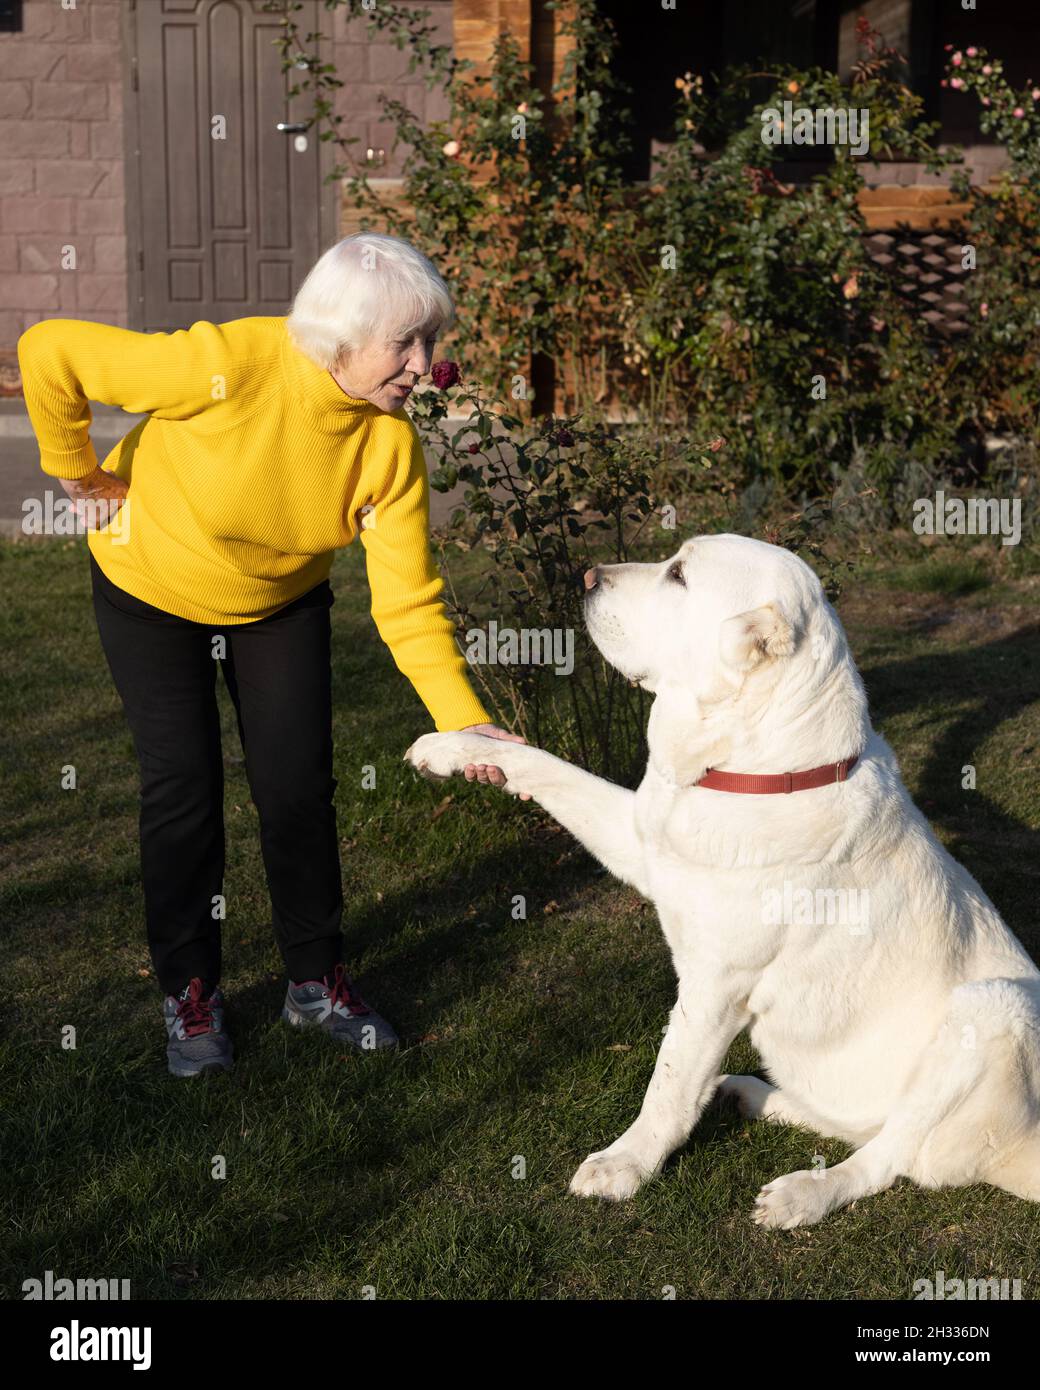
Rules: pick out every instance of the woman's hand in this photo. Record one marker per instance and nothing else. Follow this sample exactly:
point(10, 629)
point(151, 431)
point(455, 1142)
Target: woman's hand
point(97, 497)
point(487, 772)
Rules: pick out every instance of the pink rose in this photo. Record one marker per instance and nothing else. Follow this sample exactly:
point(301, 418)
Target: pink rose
point(956, 82)
point(971, 52)
point(986, 70)
point(451, 149)
point(984, 310)
point(1035, 93)
point(943, 82)
point(1018, 112)
point(985, 101)
point(957, 59)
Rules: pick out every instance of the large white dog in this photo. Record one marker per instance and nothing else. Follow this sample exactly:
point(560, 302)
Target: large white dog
point(890, 1004)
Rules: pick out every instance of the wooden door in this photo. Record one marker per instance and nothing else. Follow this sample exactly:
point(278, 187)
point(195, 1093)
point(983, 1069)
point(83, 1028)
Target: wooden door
point(227, 212)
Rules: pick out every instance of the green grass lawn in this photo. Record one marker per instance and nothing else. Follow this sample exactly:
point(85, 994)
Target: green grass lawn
point(529, 1040)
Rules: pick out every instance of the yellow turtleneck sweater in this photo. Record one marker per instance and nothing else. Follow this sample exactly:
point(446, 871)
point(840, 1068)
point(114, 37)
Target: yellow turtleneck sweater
point(252, 468)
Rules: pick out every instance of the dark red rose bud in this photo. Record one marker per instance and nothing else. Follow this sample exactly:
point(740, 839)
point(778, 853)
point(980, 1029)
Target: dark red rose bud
point(445, 374)
point(563, 438)
point(474, 448)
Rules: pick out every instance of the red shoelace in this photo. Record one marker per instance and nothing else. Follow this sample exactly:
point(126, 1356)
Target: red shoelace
point(341, 991)
point(196, 1014)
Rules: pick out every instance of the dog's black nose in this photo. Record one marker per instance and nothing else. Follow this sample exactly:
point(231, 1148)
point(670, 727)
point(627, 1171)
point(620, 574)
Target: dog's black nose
point(591, 578)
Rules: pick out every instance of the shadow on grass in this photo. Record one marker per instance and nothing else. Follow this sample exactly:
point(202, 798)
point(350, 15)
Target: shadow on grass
point(333, 1153)
point(383, 1143)
point(1000, 679)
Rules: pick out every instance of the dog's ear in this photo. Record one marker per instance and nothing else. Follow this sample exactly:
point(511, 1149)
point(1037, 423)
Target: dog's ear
point(760, 634)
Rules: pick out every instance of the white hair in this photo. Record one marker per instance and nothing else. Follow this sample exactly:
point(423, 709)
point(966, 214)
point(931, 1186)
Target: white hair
point(367, 288)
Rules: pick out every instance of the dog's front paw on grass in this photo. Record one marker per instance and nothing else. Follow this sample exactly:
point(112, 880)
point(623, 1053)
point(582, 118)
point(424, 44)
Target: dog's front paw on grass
point(614, 1176)
point(797, 1199)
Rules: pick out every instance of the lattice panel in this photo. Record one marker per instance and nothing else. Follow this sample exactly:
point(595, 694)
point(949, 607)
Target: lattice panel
point(926, 270)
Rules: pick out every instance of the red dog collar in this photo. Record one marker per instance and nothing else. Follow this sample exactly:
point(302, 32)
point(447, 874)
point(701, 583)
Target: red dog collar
point(764, 783)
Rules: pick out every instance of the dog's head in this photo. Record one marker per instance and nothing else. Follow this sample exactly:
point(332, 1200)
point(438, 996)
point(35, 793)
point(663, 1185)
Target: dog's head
point(730, 633)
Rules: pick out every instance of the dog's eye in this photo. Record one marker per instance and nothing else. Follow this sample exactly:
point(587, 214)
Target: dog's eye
point(676, 572)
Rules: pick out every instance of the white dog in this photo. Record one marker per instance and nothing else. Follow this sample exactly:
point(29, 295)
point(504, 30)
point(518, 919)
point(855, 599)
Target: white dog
point(908, 1026)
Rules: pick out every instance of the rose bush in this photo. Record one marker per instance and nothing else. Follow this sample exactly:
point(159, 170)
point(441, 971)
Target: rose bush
point(730, 299)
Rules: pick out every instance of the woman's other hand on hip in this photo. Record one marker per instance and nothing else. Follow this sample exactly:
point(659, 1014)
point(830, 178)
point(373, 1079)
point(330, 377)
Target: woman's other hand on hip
point(96, 498)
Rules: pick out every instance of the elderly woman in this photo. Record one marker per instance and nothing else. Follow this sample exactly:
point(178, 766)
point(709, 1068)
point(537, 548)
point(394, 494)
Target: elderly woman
point(269, 444)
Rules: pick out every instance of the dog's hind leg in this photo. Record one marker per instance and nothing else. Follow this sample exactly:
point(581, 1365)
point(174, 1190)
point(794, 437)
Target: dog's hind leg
point(1020, 1174)
point(995, 1136)
point(947, 1129)
point(759, 1100)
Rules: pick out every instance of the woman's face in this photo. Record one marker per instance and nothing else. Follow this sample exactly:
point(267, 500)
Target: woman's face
point(385, 372)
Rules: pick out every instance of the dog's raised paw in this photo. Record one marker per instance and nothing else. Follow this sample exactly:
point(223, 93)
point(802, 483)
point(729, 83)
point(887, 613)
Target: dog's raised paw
point(438, 756)
point(797, 1199)
point(614, 1176)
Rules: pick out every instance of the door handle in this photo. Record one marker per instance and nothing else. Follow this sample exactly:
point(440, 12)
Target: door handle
point(291, 127)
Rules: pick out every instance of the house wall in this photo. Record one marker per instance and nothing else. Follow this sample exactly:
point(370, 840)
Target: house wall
point(371, 67)
point(62, 150)
point(62, 144)
point(61, 167)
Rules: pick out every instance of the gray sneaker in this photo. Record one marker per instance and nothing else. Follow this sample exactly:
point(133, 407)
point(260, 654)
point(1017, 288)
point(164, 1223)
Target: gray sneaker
point(334, 1006)
point(196, 1042)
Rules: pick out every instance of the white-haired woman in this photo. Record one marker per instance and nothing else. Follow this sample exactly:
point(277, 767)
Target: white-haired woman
point(269, 443)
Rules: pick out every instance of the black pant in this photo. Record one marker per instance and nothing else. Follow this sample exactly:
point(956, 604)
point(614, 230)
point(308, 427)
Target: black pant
point(278, 672)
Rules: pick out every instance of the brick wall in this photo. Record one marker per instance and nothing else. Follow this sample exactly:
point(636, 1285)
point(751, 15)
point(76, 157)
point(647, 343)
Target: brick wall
point(368, 67)
point(61, 141)
point(62, 150)
point(61, 166)
point(371, 66)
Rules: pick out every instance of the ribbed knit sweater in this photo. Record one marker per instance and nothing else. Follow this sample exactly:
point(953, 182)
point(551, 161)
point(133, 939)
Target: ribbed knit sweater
point(252, 468)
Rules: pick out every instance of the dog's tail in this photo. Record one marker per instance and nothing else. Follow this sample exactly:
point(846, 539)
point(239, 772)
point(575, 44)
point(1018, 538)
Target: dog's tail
point(1021, 1173)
